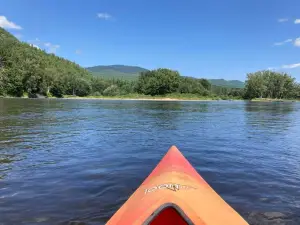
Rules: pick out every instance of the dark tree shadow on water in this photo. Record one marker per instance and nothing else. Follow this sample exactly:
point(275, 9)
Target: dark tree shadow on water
point(271, 116)
point(272, 107)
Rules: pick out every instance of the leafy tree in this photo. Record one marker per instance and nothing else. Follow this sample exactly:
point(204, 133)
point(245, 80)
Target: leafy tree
point(125, 86)
point(14, 85)
point(58, 88)
point(3, 81)
point(270, 84)
point(255, 85)
point(158, 82)
point(191, 85)
point(83, 87)
point(99, 85)
point(97, 93)
point(48, 78)
point(112, 90)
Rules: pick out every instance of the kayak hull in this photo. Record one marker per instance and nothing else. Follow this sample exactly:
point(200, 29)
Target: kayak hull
point(173, 191)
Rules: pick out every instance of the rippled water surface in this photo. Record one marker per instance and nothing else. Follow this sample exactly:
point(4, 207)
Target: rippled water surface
point(79, 160)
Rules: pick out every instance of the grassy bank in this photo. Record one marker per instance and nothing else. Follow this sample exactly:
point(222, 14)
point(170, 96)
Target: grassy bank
point(273, 100)
point(168, 97)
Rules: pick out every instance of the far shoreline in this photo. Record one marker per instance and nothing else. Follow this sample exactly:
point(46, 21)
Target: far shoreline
point(159, 99)
point(144, 99)
point(166, 99)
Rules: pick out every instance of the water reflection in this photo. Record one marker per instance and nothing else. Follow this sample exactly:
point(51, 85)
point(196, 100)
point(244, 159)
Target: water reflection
point(273, 107)
point(273, 117)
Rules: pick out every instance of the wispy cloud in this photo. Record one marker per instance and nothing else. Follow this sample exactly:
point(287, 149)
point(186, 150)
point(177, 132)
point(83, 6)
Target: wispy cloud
point(5, 23)
point(49, 47)
point(78, 52)
point(104, 16)
point(282, 20)
point(297, 42)
point(297, 21)
point(291, 66)
point(283, 42)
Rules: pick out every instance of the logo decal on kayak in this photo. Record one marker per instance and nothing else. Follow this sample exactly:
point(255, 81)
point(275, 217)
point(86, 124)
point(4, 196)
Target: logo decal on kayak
point(170, 186)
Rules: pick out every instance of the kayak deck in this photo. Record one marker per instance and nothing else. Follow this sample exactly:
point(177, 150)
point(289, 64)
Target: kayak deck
point(174, 193)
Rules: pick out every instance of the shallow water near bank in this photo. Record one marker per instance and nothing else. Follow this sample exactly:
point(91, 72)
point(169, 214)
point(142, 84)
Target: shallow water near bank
point(64, 160)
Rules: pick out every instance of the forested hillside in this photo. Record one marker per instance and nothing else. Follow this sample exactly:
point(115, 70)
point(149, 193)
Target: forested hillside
point(24, 68)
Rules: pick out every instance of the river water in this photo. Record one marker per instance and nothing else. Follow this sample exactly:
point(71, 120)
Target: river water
point(79, 160)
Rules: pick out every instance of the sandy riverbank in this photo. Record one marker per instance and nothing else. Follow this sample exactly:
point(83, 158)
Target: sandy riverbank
point(273, 100)
point(150, 98)
point(140, 99)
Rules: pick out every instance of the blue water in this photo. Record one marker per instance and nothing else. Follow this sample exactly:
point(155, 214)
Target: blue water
point(79, 160)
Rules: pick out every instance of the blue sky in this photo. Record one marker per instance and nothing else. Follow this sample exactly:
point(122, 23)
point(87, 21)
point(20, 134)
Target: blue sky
point(212, 39)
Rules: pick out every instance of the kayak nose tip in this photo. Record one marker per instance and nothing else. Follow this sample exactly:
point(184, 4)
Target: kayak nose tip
point(174, 148)
point(174, 152)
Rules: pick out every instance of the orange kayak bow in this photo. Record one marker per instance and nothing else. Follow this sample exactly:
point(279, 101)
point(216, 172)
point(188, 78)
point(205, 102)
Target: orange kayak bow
point(175, 194)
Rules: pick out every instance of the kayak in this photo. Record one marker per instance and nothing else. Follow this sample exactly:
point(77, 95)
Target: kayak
point(175, 194)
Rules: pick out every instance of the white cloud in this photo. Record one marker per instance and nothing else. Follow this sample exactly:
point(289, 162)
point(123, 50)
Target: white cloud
point(282, 20)
point(49, 47)
point(291, 66)
point(297, 42)
point(5, 23)
point(283, 42)
point(78, 52)
point(297, 21)
point(35, 46)
point(104, 16)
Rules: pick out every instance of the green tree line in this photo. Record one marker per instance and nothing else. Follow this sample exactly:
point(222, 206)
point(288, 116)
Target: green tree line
point(26, 69)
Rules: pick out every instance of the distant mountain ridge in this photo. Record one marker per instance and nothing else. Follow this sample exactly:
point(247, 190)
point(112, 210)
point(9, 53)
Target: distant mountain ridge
point(117, 71)
point(227, 83)
point(132, 73)
point(120, 68)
